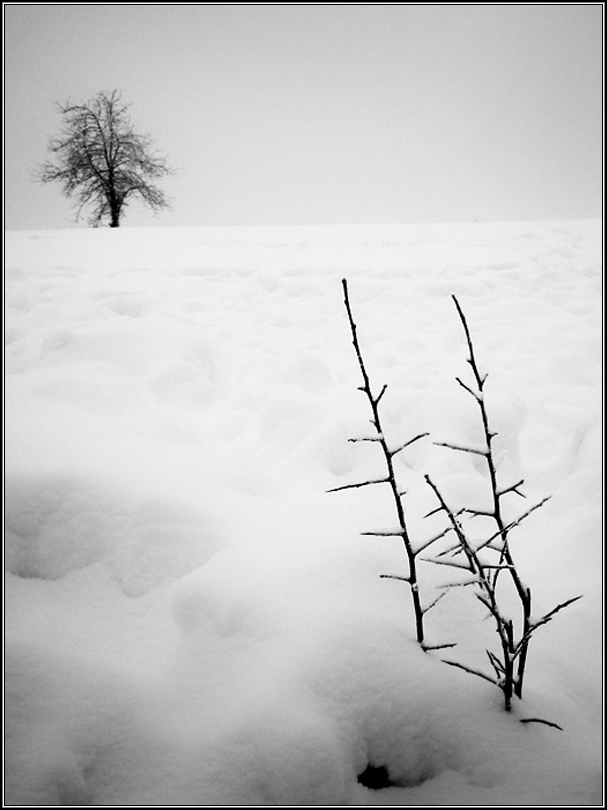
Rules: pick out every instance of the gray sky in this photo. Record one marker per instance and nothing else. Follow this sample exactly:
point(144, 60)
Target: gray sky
point(321, 113)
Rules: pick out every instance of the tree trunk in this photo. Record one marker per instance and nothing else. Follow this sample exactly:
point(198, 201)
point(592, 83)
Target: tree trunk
point(115, 204)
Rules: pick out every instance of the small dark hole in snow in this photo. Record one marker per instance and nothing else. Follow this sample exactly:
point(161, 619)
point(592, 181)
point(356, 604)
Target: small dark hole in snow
point(375, 778)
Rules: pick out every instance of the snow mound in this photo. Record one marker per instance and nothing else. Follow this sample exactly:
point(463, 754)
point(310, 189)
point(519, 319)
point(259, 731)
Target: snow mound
point(59, 523)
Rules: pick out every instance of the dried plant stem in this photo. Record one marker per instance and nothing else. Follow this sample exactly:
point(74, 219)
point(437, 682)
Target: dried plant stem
point(510, 668)
point(481, 577)
point(390, 477)
point(524, 593)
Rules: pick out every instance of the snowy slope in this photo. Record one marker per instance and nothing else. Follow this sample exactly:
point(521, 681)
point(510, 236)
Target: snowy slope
point(190, 617)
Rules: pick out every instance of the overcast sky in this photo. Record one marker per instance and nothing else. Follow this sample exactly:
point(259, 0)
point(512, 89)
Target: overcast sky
point(292, 114)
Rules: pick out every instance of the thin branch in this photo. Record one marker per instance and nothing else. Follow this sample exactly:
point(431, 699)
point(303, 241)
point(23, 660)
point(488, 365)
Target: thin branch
point(432, 540)
point(456, 549)
point(476, 396)
point(450, 563)
point(482, 598)
point(480, 381)
point(462, 449)
point(496, 664)
point(470, 670)
point(439, 646)
point(380, 395)
point(497, 566)
point(390, 477)
point(539, 720)
point(434, 602)
point(462, 584)
point(406, 444)
point(533, 625)
point(477, 512)
point(435, 511)
point(548, 616)
point(513, 488)
point(505, 529)
point(361, 484)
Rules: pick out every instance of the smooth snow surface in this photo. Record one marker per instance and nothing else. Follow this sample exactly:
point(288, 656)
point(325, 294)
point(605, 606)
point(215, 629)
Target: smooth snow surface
point(191, 619)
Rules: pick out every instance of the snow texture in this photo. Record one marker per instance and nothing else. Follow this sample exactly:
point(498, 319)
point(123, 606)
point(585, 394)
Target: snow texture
point(191, 619)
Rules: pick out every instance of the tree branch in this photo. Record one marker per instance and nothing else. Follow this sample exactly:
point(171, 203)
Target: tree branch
point(462, 449)
point(361, 484)
point(539, 720)
point(470, 670)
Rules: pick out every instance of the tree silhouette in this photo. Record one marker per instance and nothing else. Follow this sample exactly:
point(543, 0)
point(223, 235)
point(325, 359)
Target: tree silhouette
point(103, 162)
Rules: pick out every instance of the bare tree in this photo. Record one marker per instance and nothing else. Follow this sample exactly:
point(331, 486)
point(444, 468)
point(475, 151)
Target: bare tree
point(102, 161)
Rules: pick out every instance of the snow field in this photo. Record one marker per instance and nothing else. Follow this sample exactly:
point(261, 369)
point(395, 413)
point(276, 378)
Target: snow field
point(191, 618)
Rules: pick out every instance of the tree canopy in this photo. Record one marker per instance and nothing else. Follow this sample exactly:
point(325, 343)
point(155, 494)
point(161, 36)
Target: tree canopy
point(102, 162)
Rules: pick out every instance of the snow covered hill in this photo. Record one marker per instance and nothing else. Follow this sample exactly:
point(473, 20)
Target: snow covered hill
point(190, 617)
